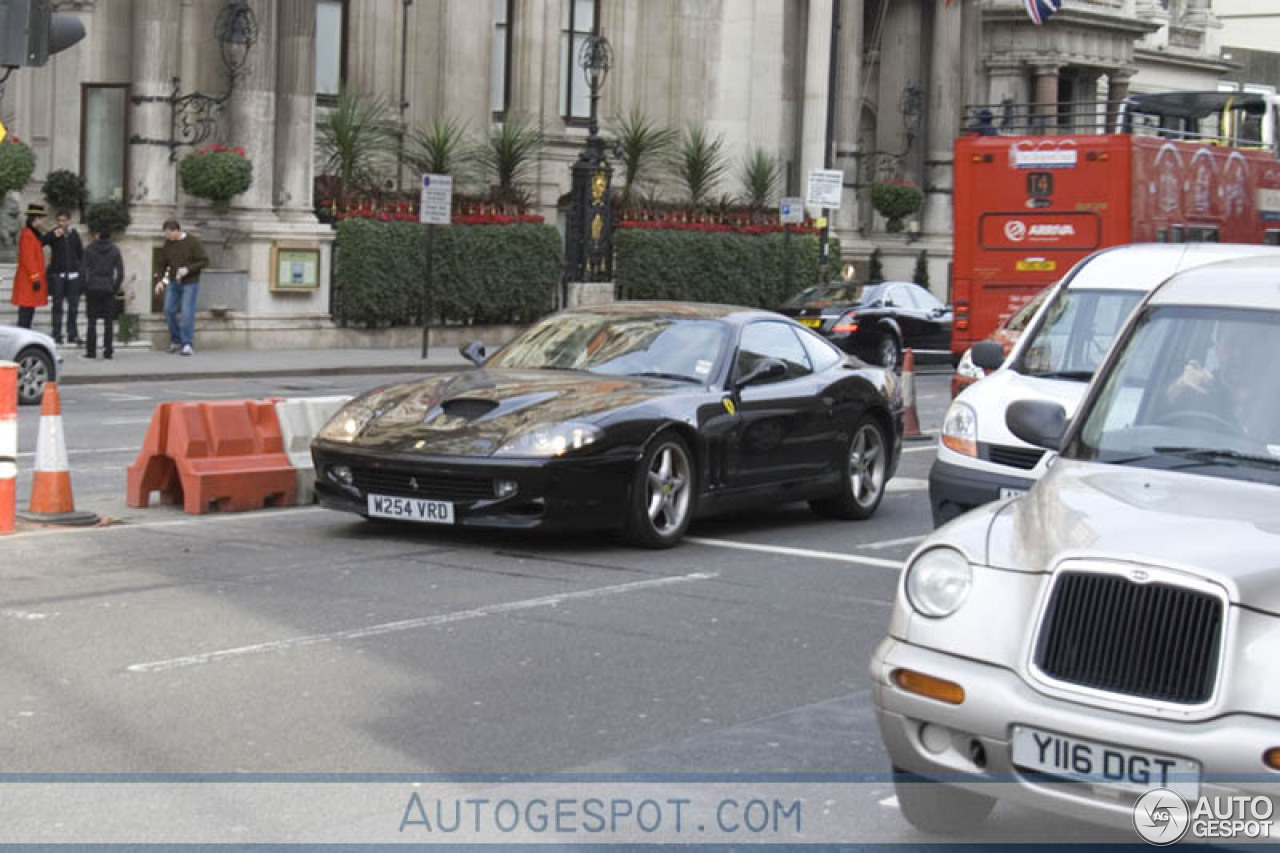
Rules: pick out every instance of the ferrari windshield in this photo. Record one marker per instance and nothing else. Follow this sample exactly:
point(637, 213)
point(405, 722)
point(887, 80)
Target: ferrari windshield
point(1194, 389)
point(661, 346)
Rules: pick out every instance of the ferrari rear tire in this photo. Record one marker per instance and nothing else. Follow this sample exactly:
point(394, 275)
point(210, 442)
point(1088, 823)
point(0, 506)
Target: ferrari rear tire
point(662, 494)
point(866, 469)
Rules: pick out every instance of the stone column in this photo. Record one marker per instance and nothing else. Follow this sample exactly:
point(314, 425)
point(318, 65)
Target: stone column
point(1117, 91)
point(1008, 84)
point(945, 94)
point(849, 97)
point(295, 109)
point(817, 72)
point(156, 27)
point(1046, 76)
point(900, 67)
point(252, 110)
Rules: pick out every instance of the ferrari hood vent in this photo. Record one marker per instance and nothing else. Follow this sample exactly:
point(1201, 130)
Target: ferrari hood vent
point(467, 408)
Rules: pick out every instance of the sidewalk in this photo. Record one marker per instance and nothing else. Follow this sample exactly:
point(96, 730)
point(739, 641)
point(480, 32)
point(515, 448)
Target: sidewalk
point(147, 365)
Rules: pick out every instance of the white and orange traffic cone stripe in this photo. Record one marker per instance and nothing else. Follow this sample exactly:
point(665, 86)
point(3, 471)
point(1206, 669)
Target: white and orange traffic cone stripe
point(8, 446)
point(910, 417)
point(51, 482)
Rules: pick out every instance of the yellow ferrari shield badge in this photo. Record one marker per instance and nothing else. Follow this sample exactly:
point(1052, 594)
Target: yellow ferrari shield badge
point(728, 405)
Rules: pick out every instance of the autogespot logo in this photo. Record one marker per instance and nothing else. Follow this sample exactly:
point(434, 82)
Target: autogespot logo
point(1161, 817)
point(1015, 230)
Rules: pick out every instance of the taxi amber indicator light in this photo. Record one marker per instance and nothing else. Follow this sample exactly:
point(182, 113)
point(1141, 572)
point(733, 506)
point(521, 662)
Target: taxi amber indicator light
point(1271, 758)
point(928, 686)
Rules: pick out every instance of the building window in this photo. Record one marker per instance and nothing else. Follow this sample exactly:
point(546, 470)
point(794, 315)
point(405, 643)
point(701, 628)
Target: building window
point(578, 19)
point(104, 136)
point(331, 20)
point(500, 83)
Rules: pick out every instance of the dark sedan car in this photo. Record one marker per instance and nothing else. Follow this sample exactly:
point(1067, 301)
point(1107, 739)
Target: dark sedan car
point(636, 416)
point(876, 321)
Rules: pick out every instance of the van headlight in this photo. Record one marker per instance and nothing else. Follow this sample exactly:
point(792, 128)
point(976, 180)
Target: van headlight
point(960, 430)
point(938, 582)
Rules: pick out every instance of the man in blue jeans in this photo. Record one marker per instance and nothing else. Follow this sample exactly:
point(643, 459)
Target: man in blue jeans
point(183, 257)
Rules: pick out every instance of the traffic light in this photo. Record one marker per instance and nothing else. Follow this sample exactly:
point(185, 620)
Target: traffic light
point(30, 32)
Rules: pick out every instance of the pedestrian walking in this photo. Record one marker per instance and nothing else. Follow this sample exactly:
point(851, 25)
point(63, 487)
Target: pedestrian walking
point(66, 267)
point(30, 282)
point(183, 257)
point(104, 276)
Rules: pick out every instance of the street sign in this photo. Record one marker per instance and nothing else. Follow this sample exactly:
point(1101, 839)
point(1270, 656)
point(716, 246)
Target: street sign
point(436, 204)
point(825, 188)
point(792, 210)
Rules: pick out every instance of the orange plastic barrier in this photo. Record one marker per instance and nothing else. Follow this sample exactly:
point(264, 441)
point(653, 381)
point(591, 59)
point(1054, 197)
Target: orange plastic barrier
point(225, 455)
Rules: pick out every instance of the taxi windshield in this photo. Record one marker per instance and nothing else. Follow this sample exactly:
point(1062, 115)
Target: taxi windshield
point(1075, 332)
point(1194, 389)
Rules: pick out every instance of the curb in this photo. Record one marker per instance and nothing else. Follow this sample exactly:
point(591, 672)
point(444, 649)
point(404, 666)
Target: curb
point(358, 370)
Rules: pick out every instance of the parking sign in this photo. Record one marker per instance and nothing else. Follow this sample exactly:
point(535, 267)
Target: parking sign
point(436, 203)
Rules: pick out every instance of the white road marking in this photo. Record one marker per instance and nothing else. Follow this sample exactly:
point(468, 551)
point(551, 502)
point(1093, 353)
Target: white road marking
point(890, 802)
point(25, 615)
point(94, 450)
point(920, 448)
point(123, 397)
point(906, 484)
point(889, 543)
point(125, 421)
point(423, 622)
point(896, 565)
point(258, 515)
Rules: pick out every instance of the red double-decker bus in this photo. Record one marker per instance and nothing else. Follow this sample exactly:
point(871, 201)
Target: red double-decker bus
point(1035, 193)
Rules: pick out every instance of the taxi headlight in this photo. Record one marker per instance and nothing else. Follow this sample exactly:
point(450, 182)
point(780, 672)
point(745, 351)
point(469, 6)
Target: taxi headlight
point(351, 419)
point(552, 440)
point(938, 582)
point(960, 430)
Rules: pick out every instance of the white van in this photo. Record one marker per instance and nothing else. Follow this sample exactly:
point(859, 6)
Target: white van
point(979, 460)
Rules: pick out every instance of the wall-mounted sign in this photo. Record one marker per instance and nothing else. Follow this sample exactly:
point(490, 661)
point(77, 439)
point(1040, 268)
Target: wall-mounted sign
point(295, 268)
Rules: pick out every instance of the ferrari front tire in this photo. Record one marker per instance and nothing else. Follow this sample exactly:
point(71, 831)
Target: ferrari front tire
point(662, 494)
point(866, 470)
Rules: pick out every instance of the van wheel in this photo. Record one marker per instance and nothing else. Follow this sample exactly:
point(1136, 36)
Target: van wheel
point(938, 808)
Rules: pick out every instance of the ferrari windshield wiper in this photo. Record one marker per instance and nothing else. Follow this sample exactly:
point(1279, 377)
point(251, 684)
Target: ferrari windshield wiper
point(657, 374)
point(1209, 456)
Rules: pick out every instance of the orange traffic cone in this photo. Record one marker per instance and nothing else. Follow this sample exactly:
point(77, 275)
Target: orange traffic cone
point(51, 500)
point(8, 446)
point(910, 419)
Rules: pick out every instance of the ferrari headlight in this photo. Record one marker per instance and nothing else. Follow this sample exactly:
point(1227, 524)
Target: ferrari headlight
point(967, 368)
point(960, 430)
point(352, 418)
point(938, 582)
point(552, 440)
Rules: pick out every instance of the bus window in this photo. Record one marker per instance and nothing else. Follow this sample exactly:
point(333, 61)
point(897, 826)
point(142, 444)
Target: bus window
point(1272, 237)
point(1175, 234)
point(1202, 234)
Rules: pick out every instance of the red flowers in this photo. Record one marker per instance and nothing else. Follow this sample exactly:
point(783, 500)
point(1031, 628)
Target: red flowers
point(223, 149)
point(736, 227)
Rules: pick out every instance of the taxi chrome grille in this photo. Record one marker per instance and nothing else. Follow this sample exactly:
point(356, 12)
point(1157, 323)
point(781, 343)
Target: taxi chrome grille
point(433, 485)
point(1151, 640)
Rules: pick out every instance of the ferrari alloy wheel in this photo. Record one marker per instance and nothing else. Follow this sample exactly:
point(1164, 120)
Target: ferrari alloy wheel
point(662, 496)
point(887, 351)
point(866, 471)
point(35, 370)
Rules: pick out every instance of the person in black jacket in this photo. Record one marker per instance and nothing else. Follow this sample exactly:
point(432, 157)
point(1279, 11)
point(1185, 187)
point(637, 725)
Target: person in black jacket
point(65, 268)
point(104, 275)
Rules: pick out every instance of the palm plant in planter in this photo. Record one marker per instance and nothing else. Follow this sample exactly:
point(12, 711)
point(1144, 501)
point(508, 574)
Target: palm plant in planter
point(216, 173)
point(894, 200)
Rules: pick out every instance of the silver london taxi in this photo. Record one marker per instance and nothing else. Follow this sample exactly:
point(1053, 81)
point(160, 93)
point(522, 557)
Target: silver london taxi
point(1117, 629)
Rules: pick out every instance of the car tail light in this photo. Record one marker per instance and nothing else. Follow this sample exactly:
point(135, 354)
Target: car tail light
point(848, 324)
point(961, 317)
point(928, 686)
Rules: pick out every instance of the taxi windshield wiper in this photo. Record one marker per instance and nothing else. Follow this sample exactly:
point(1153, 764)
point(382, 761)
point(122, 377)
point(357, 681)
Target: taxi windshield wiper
point(1210, 456)
point(1077, 375)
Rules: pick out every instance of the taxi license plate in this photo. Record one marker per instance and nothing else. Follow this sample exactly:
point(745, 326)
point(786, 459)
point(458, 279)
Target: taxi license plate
point(410, 509)
point(811, 322)
point(1077, 759)
point(1012, 493)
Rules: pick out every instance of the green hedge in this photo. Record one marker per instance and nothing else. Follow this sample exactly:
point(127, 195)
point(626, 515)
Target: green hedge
point(482, 273)
point(710, 266)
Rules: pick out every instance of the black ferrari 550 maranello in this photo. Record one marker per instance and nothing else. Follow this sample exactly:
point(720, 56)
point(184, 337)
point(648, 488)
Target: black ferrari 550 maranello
point(636, 416)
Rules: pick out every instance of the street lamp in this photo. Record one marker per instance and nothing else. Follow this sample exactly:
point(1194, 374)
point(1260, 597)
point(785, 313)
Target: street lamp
point(589, 235)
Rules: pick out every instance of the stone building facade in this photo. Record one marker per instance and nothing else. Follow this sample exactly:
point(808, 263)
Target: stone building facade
point(872, 87)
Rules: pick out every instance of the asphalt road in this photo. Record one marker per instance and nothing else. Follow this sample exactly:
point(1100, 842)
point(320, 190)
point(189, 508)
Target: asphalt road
point(306, 641)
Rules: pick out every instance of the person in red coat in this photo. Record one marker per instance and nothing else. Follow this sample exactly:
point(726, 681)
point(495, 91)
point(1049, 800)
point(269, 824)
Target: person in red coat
point(30, 283)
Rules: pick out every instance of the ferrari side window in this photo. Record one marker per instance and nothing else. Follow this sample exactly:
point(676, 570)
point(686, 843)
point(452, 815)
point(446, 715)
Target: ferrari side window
point(772, 340)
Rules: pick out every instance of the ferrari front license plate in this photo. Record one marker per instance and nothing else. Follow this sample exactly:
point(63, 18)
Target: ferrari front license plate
point(1078, 759)
point(811, 322)
point(410, 509)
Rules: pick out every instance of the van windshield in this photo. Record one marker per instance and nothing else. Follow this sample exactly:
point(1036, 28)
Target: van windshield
point(1075, 332)
point(1194, 389)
